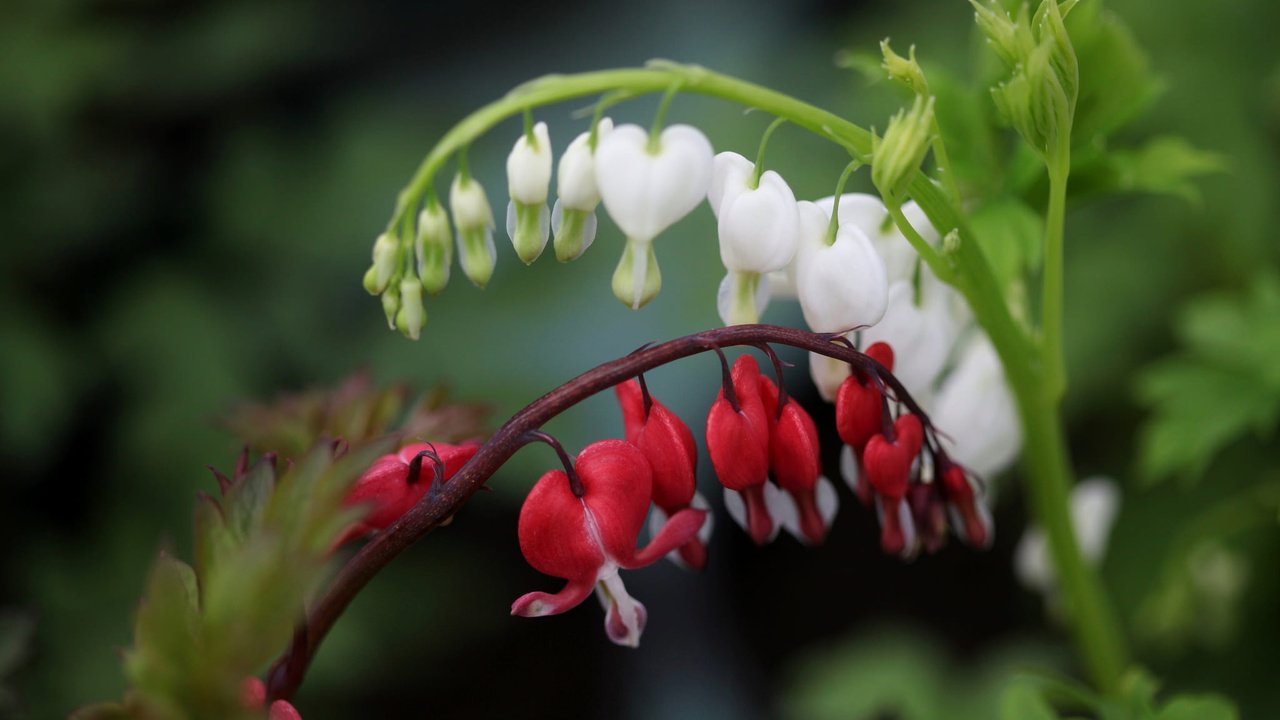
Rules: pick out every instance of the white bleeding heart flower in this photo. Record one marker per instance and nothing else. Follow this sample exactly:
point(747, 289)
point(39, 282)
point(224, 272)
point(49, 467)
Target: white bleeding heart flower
point(1095, 503)
point(573, 219)
point(646, 189)
point(730, 172)
point(975, 412)
point(528, 179)
point(841, 286)
point(433, 247)
point(868, 213)
point(922, 335)
point(759, 226)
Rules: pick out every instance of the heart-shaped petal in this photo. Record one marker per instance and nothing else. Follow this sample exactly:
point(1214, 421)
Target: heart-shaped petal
point(647, 192)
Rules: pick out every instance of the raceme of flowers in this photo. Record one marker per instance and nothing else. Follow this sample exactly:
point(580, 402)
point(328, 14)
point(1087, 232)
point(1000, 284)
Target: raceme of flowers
point(920, 425)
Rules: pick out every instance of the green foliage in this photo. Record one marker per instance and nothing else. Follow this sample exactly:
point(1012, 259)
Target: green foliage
point(1033, 697)
point(1163, 165)
point(1223, 384)
point(259, 552)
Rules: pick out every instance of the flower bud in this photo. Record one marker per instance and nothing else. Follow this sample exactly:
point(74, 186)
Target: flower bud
point(573, 219)
point(434, 247)
point(904, 70)
point(637, 278)
point(528, 177)
point(386, 258)
point(473, 221)
point(391, 305)
point(897, 156)
point(412, 316)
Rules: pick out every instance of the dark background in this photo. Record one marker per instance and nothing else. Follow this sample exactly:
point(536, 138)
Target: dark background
point(188, 193)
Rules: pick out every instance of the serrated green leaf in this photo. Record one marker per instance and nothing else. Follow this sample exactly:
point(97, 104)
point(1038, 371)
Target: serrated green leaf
point(246, 502)
point(1198, 707)
point(1225, 384)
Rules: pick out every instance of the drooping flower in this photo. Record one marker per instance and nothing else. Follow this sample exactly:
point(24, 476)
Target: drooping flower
point(887, 461)
point(922, 326)
point(573, 219)
point(976, 412)
point(433, 247)
point(668, 445)
point(841, 286)
point(758, 227)
point(473, 223)
point(586, 539)
point(528, 178)
point(646, 187)
point(738, 443)
point(397, 481)
point(807, 505)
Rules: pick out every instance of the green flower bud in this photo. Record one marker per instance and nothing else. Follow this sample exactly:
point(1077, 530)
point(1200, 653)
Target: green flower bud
point(904, 70)
point(434, 248)
point(412, 316)
point(386, 257)
point(896, 157)
point(637, 279)
point(1035, 103)
point(391, 306)
point(474, 221)
point(1011, 39)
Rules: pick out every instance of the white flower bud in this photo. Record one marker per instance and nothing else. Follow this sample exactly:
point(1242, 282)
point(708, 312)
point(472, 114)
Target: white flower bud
point(647, 192)
point(473, 221)
point(529, 167)
point(576, 180)
point(759, 227)
point(434, 248)
point(412, 316)
point(975, 412)
point(386, 257)
point(841, 286)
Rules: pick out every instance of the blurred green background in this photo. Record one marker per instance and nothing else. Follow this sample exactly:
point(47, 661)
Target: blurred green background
point(188, 197)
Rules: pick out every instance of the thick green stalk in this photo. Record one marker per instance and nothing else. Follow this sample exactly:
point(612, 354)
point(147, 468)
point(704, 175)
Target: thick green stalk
point(1051, 303)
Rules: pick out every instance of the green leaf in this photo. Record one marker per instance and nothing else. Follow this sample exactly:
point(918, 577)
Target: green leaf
point(1225, 383)
point(1164, 165)
point(1198, 707)
point(1022, 701)
point(1116, 83)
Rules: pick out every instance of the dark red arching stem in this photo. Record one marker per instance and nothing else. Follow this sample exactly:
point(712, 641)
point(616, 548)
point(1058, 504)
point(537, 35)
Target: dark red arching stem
point(575, 482)
point(437, 507)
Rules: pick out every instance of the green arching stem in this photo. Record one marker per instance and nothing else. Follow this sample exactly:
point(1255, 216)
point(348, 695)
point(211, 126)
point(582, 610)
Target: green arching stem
point(833, 226)
point(1097, 633)
point(764, 143)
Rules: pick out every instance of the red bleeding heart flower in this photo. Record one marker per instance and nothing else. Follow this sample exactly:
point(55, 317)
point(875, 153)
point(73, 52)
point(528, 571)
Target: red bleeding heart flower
point(887, 464)
point(807, 506)
point(738, 443)
point(396, 482)
point(587, 539)
point(859, 412)
point(963, 494)
point(668, 445)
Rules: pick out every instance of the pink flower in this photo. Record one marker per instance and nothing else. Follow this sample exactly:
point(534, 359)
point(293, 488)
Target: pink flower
point(396, 482)
point(795, 461)
point(586, 537)
point(887, 462)
point(668, 445)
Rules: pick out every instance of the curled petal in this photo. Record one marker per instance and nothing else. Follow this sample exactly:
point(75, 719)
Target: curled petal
point(540, 604)
point(624, 616)
point(680, 529)
point(750, 510)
